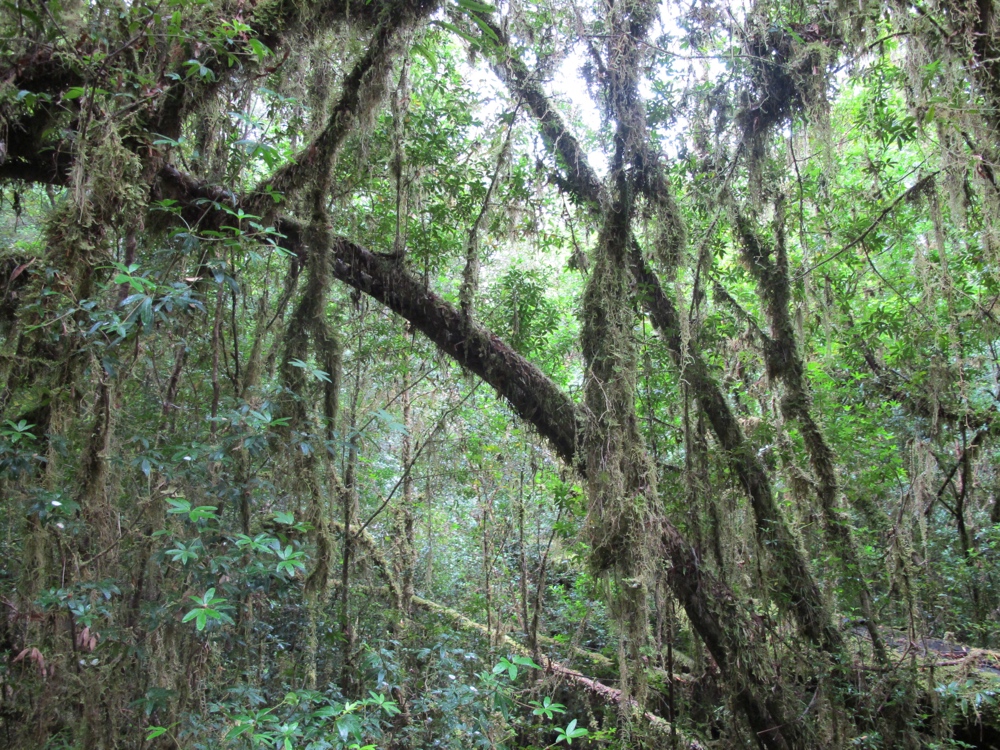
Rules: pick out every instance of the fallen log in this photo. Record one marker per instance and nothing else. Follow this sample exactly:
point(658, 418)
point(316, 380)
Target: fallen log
point(609, 695)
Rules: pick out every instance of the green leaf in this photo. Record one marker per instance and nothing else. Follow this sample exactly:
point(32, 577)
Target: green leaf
point(525, 661)
point(348, 725)
point(455, 30)
point(238, 730)
point(484, 27)
point(146, 313)
point(30, 15)
point(259, 49)
point(476, 7)
point(547, 708)
point(429, 56)
point(570, 733)
point(202, 512)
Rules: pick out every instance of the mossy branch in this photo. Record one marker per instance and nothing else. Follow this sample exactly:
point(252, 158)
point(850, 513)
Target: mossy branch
point(769, 266)
point(657, 725)
point(802, 593)
point(538, 401)
point(363, 90)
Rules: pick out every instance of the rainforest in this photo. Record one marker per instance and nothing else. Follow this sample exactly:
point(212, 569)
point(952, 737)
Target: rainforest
point(411, 374)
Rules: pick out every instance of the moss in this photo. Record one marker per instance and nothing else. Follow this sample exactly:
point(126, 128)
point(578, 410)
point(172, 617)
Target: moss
point(363, 91)
point(312, 474)
point(619, 474)
point(621, 479)
point(787, 77)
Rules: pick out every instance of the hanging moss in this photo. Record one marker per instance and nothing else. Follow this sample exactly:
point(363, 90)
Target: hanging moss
point(787, 77)
point(363, 91)
point(310, 319)
point(621, 479)
point(313, 477)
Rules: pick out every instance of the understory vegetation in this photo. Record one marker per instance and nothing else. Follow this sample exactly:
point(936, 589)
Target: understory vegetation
point(441, 374)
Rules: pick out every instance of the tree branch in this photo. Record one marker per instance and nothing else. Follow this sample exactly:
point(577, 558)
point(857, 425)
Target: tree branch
point(532, 395)
point(795, 580)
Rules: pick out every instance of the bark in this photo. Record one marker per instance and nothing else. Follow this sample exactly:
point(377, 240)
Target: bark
point(963, 496)
point(367, 543)
point(712, 610)
point(404, 541)
point(351, 513)
point(522, 564)
point(216, 335)
point(310, 467)
point(533, 637)
point(95, 505)
point(986, 52)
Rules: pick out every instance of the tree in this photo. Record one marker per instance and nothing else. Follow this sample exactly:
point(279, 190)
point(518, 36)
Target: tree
point(202, 426)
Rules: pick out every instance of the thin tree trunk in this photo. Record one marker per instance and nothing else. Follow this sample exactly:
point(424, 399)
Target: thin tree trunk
point(522, 557)
point(98, 512)
point(429, 511)
point(216, 333)
point(403, 535)
point(349, 508)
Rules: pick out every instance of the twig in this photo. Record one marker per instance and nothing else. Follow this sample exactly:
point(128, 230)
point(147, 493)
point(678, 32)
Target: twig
point(920, 185)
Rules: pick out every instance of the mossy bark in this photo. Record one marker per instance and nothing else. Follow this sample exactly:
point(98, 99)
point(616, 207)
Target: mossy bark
point(769, 266)
point(621, 480)
point(312, 476)
point(796, 586)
